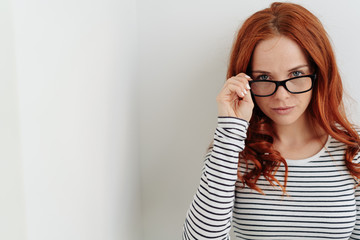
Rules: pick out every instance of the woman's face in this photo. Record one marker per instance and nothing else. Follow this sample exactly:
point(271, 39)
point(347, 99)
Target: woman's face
point(280, 58)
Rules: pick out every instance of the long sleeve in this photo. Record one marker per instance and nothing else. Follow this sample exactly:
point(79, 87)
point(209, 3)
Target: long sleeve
point(210, 213)
point(356, 231)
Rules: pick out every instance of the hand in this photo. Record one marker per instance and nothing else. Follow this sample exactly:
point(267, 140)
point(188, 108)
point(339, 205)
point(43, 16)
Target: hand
point(235, 100)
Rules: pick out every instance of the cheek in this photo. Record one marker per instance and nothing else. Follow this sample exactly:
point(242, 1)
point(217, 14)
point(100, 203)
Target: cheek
point(306, 98)
point(261, 102)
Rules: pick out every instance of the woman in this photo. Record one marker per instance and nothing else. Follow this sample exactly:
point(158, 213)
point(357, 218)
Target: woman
point(284, 163)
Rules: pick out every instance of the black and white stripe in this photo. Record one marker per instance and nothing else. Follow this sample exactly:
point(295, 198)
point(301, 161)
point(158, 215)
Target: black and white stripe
point(321, 201)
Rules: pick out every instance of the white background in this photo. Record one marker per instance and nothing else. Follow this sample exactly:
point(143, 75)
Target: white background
point(107, 108)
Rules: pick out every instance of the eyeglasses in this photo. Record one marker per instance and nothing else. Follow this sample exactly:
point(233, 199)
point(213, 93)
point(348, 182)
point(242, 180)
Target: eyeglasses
point(295, 85)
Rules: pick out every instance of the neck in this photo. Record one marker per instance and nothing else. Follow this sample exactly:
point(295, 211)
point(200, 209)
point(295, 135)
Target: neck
point(300, 132)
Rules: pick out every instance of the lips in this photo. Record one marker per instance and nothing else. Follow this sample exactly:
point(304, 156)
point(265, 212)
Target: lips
point(283, 110)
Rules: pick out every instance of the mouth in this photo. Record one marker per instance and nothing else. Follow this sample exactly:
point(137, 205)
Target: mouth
point(283, 110)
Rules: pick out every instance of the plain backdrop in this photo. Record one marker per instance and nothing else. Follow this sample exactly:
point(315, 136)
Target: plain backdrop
point(107, 108)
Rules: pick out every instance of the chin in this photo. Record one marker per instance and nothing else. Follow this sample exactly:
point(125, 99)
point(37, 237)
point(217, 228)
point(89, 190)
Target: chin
point(285, 120)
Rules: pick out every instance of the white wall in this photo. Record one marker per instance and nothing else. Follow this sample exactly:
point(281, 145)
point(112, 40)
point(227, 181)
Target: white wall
point(74, 62)
point(12, 202)
point(184, 48)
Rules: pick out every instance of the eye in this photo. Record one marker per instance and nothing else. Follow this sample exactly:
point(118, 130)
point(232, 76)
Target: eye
point(296, 73)
point(262, 77)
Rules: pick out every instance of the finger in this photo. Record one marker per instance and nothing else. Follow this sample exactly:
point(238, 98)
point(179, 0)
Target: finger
point(230, 93)
point(243, 75)
point(237, 88)
point(247, 97)
point(241, 78)
point(240, 83)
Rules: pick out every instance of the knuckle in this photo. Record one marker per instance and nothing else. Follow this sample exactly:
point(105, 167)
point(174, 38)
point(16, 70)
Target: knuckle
point(244, 76)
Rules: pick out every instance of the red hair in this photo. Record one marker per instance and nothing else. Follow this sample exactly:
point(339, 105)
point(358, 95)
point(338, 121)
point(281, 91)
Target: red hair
point(326, 107)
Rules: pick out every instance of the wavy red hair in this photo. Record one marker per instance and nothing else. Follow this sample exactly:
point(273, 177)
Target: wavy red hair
point(326, 107)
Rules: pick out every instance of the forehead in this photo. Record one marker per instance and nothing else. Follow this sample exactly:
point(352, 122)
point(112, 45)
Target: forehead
point(277, 54)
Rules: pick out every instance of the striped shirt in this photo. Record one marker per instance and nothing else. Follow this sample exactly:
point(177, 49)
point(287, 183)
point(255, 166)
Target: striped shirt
point(321, 202)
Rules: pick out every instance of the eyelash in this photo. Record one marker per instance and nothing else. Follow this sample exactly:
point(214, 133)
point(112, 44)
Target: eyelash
point(297, 72)
point(260, 77)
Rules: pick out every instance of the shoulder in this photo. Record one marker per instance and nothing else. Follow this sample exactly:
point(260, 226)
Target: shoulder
point(340, 146)
point(357, 129)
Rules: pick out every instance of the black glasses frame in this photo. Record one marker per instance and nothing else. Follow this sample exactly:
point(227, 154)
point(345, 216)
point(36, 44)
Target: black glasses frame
point(283, 83)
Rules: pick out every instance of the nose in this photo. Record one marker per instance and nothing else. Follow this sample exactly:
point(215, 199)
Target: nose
point(281, 93)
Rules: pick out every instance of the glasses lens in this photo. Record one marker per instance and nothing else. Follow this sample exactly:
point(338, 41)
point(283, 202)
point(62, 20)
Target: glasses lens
point(263, 88)
point(298, 85)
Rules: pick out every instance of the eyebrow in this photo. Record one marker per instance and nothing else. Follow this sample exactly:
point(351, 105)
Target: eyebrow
point(290, 70)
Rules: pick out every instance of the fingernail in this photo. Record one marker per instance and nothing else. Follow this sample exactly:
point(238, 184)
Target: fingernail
point(245, 91)
point(248, 86)
point(247, 77)
point(242, 94)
